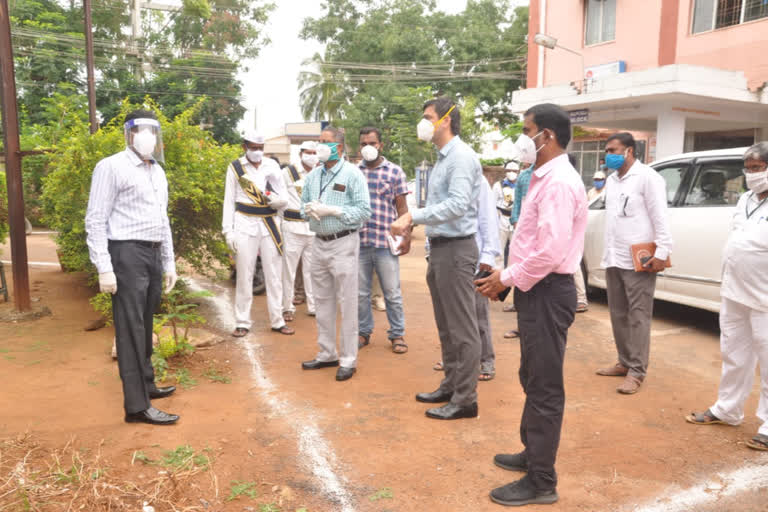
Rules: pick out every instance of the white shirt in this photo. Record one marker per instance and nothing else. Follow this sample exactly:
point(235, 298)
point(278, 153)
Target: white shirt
point(232, 221)
point(487, 236)
point(294, 200)
point(501, 202)
point(128, 201)
point(745, 256)
point(635, 212)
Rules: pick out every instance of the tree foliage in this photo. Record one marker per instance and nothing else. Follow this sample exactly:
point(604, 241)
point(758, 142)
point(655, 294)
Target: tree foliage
point(383, 60)
point(194, 164)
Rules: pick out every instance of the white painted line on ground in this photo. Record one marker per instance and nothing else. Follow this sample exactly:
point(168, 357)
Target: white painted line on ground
point(316, 454)
point(35, 263)
point(748, 478)
point(44, 233)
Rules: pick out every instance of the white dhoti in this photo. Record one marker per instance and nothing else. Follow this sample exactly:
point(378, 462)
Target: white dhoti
point(248, 249)
point(743, 344)
point(334, 281)
point(297, 247)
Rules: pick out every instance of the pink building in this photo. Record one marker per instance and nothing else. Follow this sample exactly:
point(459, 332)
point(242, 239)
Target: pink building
point(691, 74)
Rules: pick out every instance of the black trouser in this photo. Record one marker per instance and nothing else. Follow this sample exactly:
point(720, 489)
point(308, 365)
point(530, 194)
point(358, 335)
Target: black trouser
point(450, 276)
point(544, 314)
point(139, 273)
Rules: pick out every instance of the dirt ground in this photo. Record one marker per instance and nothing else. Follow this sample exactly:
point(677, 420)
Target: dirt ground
point(306, 441)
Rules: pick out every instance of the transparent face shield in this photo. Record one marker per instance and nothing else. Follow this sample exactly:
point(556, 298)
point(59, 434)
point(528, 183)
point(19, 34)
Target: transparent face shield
point(145, 137)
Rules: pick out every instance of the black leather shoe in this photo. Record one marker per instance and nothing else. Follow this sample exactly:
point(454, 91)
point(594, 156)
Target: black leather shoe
point(152, 416)
point(453, 412)
point(521, 493)
point(344, 373)
point(511, 461)
point(316, 365)
point(162, 392)
point(435, 397)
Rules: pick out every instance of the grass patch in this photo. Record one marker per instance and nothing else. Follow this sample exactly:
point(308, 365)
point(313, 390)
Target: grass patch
point(214, 375)
point(240, 488)
point(381, 494)
point(183, 458)
point(184, 379)
point(269, 507)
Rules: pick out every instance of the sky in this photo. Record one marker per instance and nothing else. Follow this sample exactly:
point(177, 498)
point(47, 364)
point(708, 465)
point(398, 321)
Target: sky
point(270, 86)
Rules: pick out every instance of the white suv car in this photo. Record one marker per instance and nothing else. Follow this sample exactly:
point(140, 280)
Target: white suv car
point(702, 191)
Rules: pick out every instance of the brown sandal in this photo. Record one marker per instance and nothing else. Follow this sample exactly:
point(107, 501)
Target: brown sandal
point(288, 316)
point(239, 332)
point(438, 366)
point(363, 340)
point(398, 345)
point(704, 418)
point(284, 330)
point(759, 442)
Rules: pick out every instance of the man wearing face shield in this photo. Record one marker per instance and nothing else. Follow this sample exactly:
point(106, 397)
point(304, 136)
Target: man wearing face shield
point(546, 250)
point(254, 193)
point(335, 200)
point(129, 241)
point(298, 236)
point(388, 189)
point(451, 219)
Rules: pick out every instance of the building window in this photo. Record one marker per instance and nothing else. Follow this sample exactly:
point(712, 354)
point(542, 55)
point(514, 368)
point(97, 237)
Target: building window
point(600, 21)
point(713, 14)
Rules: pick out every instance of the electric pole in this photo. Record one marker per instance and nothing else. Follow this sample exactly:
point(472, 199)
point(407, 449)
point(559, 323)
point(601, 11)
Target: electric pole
point(89, 65)
point(13, 164)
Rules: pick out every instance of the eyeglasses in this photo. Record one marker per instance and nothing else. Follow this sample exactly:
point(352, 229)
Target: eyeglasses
point(756, 168)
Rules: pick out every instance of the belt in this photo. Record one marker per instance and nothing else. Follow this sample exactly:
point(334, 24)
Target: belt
point(144, 243)
point(336, 236)
point(293, 215)
point(437, 240)
point(504, 211)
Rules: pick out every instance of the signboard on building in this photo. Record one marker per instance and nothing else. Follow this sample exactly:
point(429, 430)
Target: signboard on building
point(611, 68)
point(579, 116)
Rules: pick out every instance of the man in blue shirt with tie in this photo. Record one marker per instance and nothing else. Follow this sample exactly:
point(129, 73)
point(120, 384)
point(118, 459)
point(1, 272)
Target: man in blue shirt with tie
point(450, 217)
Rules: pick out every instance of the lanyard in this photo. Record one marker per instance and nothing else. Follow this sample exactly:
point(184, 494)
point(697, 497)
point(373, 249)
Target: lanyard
point(746, 206)
point(322, 188)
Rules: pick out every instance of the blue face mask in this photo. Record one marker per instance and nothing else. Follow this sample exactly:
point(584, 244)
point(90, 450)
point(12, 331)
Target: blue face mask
point(599, 184)
point(613, 161)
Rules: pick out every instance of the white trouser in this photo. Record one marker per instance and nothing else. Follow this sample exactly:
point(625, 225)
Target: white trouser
point(334, 280)
point(743, 344)
point(581, 289)
point(248, 249)
point(297, 247)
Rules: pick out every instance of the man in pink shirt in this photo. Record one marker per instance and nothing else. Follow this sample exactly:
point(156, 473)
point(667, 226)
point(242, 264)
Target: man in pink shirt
point(545, 252)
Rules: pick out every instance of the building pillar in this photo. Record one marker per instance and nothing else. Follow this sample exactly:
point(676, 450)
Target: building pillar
point(670, 134)
point(761, 134)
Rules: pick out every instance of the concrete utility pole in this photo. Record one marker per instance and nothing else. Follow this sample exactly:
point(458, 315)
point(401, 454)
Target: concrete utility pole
point(13, 164)
point(89, 66)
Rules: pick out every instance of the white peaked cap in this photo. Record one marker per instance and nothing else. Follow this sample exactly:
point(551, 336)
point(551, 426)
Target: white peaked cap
point(599, 175)
point(512, 166)
point(253, 136)
point(309, 145)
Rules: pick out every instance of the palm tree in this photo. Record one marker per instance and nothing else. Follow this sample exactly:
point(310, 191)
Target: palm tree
point(323, 90)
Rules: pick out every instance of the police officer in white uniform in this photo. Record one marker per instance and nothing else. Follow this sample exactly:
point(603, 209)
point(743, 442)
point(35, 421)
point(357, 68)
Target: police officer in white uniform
point(253, 195)
point(298, 237)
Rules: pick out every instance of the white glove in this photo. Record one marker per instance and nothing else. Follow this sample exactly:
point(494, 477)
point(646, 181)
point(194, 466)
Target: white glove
point(310, 209)
point(324, 210)
point(275, 201)
point(169, 281)
point(108, 282)
point(231, 243)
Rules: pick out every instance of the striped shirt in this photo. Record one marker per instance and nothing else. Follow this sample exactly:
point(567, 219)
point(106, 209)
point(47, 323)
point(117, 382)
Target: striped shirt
point(385, 183)
point(343, 185)
point(128, 201)
point(521, 190)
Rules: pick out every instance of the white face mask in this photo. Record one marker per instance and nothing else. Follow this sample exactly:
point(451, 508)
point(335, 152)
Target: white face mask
point(369, 153)
point(144, 143)
point(254, 155)
point(323, 152)
point(309, 160)
point(511, 176)
point(425, 130)
point(527, 148)
point(757, 182)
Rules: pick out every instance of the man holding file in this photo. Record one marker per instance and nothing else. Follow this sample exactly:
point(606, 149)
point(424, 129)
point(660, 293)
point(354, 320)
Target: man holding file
point(635, 215)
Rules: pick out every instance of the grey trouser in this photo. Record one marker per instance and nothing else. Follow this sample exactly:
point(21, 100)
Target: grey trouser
point(450, 278)
point(334, 280)
point(139, 272)
point(630, 300)
point(487, 356)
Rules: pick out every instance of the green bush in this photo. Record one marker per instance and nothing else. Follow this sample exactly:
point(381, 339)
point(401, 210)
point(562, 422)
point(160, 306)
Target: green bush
point(3, 209)
point(195, 165)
